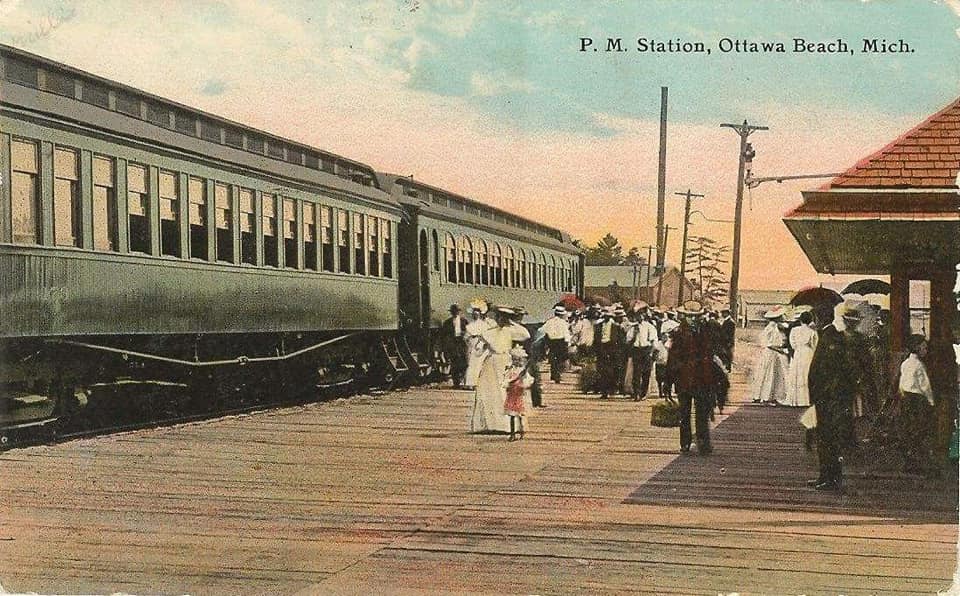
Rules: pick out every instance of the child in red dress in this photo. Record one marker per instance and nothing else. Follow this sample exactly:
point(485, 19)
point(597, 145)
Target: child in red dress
point(518, 398)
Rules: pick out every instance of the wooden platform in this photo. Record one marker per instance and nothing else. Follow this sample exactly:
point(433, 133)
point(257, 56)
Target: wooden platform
point(389, 494)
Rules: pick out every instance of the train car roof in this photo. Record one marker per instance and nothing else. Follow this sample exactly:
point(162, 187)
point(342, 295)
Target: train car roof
point(445, 204)
point(229, 134)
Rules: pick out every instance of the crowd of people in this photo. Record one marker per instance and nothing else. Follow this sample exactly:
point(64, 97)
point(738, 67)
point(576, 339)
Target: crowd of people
point(690, 348)
point(823, 357)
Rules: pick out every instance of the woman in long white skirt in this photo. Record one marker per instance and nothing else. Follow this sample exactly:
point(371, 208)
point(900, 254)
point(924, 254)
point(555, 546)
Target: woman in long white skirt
point(803, 340)
point(476, 348)
point(770, 377)
point(487, 414)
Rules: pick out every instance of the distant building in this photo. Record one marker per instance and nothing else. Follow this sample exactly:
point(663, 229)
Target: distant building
point(751, 304)
point(616, 283)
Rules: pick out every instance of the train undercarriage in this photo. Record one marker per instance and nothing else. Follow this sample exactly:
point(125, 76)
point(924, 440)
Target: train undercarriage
point(50, 387)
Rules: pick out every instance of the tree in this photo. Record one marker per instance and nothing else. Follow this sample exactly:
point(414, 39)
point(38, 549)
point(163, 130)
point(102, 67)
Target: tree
point(703, 263)
point(608, 251)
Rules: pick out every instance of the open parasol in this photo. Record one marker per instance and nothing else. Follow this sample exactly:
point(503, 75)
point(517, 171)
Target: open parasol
point(571, 302)
point(816, 297)
point(599, 300)
point(867, 286)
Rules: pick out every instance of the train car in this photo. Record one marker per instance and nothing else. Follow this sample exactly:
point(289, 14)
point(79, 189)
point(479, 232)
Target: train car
point(454, 249)
point(145, 241)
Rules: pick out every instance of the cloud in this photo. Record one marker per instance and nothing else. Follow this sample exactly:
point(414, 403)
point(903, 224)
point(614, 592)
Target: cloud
point(213, 87)
point(492, 84)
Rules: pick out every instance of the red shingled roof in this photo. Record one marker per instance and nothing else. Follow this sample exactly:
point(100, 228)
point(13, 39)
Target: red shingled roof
point(927, 156)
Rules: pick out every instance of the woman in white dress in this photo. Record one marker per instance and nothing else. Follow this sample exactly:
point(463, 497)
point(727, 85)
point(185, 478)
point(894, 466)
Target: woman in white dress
point(770, 377)
point(476, 349)
point(803, 340)
point(487, 414)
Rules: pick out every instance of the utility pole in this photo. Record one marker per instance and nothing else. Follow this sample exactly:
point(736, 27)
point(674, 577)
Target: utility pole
point(661, 269)
point(636, 274)
point(683, 251)
point(746, 152)
point(650, 249)
point(662, 181)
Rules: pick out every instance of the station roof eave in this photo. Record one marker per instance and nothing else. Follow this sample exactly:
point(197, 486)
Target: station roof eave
point(868, 231)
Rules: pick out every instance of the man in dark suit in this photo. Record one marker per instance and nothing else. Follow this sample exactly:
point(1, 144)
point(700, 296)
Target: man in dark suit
point(608, 342)
point(728, 333)
point(453, 344)
point(832, 390)
point(690, 363)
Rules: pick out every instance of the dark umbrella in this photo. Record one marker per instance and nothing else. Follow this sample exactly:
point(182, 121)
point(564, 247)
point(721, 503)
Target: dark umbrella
point(867, 286)
point(816, 297)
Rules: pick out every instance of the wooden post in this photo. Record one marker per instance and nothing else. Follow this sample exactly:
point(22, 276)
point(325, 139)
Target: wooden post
point(941, 359)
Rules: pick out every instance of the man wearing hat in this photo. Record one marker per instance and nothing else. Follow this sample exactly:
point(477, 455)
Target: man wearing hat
point(640, 339)
point(690, 363)
point(453, 345)
point(832, 390)
point(557, 331)
point(608, 340)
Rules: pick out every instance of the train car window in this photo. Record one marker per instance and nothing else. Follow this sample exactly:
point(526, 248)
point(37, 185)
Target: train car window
point(137, 205)
point(496, 259)
point(158, 115)
point(451, 249)
point(326, 237)
point(311, 161)
point(482, 260)
point(60, 83)
point(95, 94)
point(223, 219)
point(373, 245)
point(185, 123)
point(275, 149)
point(386, 239)
point(309, 236)
point(508, 268)
point(343, 241)
point(25, 191)
point(294, 156)
point(466, 261)
point(233, 137)
point(209, 131)
point(270, 244)
point(290, 260)
point(169, 214)
point(254, 144)
point(248, 231)
point(358, 249)
point(543, 272)
point(20, 72)
point(436, 251)
point(197, 192)
point(104, 204)
point(552, 274)
point(521, 269)
point(128, 104)
point(66, 198)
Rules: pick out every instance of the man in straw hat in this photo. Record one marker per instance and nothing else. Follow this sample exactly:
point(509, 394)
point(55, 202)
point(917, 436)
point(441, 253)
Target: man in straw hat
point(557, 332)
point(832, 390)
point(608, 340)
point(690, 363)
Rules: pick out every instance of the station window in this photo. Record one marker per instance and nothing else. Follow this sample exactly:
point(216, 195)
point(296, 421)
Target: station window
point(25, 193)
point(496, 273)
point(169, 214)
point(223, 211)
point(451, 250)
point(373, 246)
point(508, 268)
point(543, 272)
point(436, 251)
point(197, 191)
point(326, 237)
point(270, 246)
point(248, 238)
point(66, 198)
point(386, 238)
point(290, 260)
point(358, 247)
point(343, 241)
point(309, 236)
point(138, 201)
point(104, 205)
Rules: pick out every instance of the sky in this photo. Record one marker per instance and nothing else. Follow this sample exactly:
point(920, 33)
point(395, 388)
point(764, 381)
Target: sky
point(494, 100)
